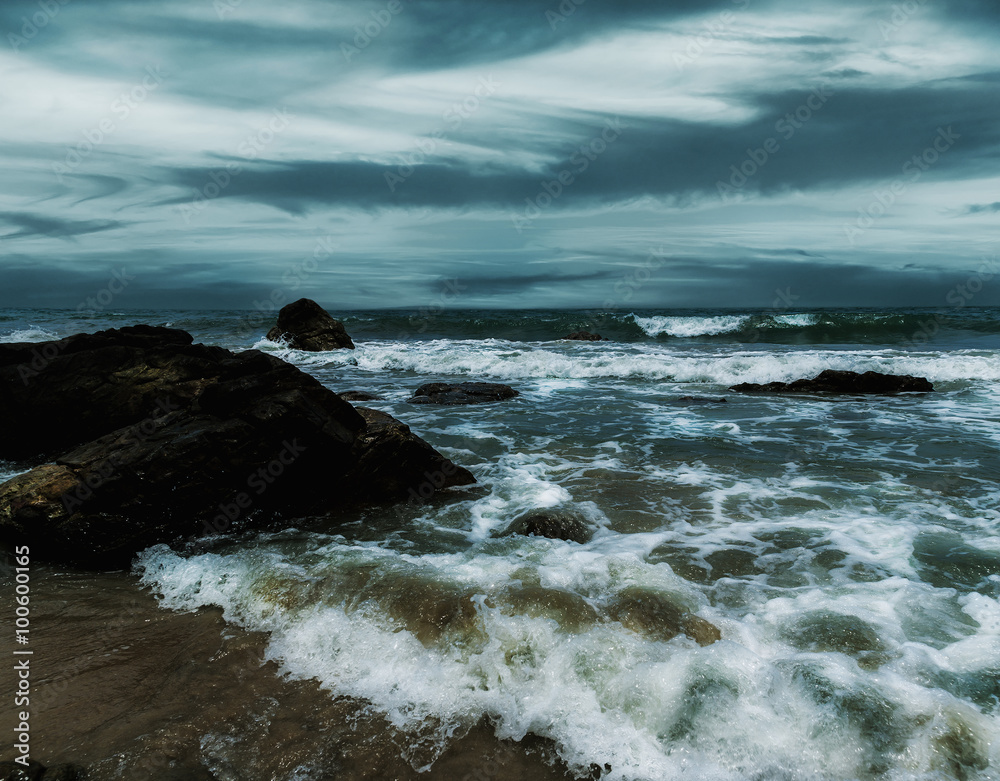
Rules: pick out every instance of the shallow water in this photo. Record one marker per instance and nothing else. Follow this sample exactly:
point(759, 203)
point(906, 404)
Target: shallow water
point(847, 550)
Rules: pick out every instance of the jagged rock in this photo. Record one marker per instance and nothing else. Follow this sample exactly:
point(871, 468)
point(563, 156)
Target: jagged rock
point(195, 440)
point(462, 393)
point(652, 614)
point(54, 395)
point(832, 381)
point(305, 325)
point(390, 461)
point(586, 336)
point(554, 523)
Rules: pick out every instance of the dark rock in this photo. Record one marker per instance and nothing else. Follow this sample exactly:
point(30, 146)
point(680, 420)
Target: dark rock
point(54, 395)
point(462, 393)
point(652, 614)
point(392, 462)
point(586, 336)
point(832, 381)
point(359, 396)
point(696, 400)
point(553, 523)
point(14, 771)
point(305, 325)
point(195, 440)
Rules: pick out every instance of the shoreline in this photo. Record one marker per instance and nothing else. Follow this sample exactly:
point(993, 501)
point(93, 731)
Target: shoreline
point(127, 689)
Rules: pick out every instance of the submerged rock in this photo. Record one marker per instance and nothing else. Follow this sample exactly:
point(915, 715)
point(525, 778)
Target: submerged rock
point(826, 631)
point(150, 439)
point(698, 400)
point(652, 614)
point(462, 393)
point(586, 336)
point(570, 610)
point(359, 396)
point(832, 381)
point(305, 325)
point(553, 523)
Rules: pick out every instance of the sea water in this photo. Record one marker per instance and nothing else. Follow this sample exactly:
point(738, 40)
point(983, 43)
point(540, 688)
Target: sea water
point(848, 549)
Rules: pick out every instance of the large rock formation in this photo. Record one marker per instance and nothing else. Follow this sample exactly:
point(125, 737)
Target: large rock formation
point(462, 393)
point(832, 381)
point(143, 437)
point(305, 325)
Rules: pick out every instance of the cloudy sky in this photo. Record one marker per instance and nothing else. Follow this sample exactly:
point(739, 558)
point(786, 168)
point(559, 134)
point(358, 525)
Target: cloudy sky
point(498, 153)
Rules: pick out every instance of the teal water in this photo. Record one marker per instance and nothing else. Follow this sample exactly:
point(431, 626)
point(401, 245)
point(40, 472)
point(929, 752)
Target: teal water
point(847, 549)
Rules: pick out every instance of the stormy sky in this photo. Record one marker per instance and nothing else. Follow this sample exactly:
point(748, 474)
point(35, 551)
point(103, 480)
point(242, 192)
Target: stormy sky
point(498, 153)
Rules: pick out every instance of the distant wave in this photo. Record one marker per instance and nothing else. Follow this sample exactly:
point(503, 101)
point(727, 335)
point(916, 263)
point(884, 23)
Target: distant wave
point(511, 361)
point(892, 328)
point(690, 326)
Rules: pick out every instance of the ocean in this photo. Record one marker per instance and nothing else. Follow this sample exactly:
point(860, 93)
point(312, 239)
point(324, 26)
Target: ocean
point(847, 548)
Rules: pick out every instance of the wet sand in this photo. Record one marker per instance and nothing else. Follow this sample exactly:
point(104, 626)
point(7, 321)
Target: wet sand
point(131, 691)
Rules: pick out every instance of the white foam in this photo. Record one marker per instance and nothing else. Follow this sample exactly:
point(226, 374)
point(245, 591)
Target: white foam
point(690, 326)
point(29, 334)
point(728, 366)
point(797, 320)
point(605, 695)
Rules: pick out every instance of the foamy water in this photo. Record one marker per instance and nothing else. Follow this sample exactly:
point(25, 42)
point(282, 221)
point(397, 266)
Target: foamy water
point(848, 550)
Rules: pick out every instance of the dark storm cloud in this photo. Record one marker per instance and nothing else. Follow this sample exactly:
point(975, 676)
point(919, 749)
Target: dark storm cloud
point(824, 137)
point(453, 32)
point(980, 208)
point(743, 112)
point(53, 227)
point(518, 283)
point(138, 279)
point(972, 12)
point(792, 286)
